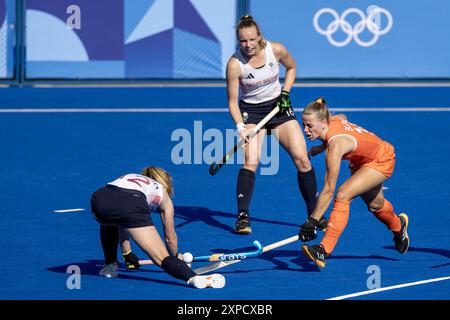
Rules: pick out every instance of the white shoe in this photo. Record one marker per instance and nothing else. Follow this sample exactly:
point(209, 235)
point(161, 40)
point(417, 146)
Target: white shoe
point(110, 270)
point(215, 280)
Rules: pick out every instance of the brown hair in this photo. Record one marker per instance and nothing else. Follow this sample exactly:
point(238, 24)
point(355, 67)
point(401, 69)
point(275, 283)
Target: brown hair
point(248, 22)
point(161, 176)
point(319, 108)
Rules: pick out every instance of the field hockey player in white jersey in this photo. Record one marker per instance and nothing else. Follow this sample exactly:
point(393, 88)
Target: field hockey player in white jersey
point(123, 208)
point(254, 90)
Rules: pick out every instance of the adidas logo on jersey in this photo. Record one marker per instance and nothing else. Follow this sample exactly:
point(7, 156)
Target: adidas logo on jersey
point(250, 76)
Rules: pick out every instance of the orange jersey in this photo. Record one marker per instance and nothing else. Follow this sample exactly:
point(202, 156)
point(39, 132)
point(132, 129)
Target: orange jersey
point(370, 150)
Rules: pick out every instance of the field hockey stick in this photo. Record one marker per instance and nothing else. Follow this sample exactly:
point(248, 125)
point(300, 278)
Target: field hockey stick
point(215, 166)
point(223, 256)
point(221, 264)
point(232, 256)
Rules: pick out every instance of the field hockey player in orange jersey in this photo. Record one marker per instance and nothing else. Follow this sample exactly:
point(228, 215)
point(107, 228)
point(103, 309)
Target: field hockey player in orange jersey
point(372, 162)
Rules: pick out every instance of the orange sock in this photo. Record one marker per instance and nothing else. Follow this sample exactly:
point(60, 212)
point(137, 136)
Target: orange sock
point(388, 217)
point(336, 224)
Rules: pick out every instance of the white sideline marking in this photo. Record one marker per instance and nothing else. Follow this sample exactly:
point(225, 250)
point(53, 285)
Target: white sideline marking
point(112, 110)
point(386, 109)
point(69, 210)
point(200, 110)
point(222, 84)
point(362, 293)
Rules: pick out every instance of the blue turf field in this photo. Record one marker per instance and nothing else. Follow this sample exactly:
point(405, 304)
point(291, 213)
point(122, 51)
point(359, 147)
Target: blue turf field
point(55, 161)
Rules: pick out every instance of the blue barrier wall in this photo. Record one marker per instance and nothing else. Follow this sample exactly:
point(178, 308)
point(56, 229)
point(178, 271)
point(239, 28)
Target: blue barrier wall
point(7, 37)
point(193, 39)
point(411, 41)
point(131, 39)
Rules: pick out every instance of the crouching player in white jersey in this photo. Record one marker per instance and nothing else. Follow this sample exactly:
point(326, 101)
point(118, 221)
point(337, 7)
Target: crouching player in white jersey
point(254, 89)
point(123, 207)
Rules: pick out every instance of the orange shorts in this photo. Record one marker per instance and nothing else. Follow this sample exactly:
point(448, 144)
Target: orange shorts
point(385, 162)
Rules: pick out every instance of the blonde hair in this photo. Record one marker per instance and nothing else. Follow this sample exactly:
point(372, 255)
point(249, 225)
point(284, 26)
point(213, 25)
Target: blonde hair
point(161, 176)
point(319, 109)
point(248, 22)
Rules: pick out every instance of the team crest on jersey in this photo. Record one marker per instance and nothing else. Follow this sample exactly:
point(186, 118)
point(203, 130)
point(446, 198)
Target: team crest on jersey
point(245, 117)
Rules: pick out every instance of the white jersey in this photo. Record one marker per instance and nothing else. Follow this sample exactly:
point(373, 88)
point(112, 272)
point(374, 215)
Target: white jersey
point(259, 84)
point(152, 190)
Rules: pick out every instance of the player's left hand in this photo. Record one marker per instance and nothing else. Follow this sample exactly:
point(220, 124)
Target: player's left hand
point(308, 230)
point(131, 261)
point(284, 102)
point(315, 150)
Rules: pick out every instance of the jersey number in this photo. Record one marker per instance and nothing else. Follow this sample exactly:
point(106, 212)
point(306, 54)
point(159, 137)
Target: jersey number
point(137, 180)
point(348, 126)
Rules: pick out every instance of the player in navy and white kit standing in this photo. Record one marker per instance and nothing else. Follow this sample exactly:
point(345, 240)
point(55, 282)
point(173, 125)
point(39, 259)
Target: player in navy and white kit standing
point(254, 89)
point(123, 207)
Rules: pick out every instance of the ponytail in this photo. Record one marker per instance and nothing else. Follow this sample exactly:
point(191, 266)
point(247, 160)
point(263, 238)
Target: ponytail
point(247, 21)
point(318, 108)
point(161, 176)
point(320, 100)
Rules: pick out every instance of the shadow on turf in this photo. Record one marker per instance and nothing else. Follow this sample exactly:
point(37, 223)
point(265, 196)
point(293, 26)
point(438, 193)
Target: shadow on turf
point(297, 258)
point(194, 214)
point(92, 267)
point(441, 252)
point(274, 257)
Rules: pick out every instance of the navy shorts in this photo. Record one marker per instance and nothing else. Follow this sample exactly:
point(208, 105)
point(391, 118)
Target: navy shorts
point(254, 113)
point(119, 207)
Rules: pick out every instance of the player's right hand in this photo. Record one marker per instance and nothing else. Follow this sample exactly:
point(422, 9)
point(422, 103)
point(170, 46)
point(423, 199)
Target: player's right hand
point(244, 133)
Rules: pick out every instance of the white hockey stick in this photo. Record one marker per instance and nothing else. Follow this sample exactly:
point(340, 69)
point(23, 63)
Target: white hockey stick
point(215, 167)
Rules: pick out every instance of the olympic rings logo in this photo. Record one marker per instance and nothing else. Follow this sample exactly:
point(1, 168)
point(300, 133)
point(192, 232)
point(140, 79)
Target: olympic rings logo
point(372, 22)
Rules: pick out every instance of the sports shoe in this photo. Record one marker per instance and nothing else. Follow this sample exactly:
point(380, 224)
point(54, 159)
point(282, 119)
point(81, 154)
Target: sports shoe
point(215, 281)
point(401, 238)
point(243, 223)
point(316, 253)
point(110, 270)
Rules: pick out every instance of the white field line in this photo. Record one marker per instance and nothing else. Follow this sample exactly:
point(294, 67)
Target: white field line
point(222, 84)
point(410, 284)
point(112, 110)
point(69, 210)
point(199, 110)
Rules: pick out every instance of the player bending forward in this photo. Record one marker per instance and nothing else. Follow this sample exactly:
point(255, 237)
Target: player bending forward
point(124, 206)
point(372, 162)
